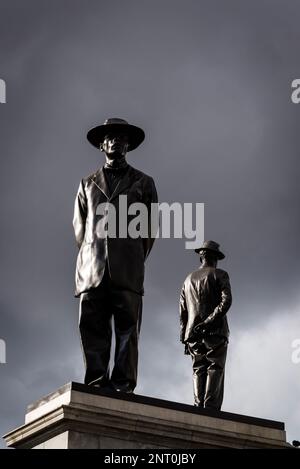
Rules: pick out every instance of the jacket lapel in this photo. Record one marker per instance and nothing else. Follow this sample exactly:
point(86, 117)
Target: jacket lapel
point(100, 181)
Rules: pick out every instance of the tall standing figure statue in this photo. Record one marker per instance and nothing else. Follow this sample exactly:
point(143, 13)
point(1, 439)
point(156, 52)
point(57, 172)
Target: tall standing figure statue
point(204, 301)
point(110, 268)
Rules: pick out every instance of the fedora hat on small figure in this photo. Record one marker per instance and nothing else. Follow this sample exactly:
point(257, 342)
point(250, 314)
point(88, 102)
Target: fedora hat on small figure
point(211, 246)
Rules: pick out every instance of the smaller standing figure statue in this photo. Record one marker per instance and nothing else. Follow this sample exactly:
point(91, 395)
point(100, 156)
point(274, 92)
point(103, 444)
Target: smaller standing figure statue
point(204, 301)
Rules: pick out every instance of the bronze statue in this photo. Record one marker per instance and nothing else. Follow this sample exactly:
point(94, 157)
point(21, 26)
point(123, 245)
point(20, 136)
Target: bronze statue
point(110, 270)
point(204, 301)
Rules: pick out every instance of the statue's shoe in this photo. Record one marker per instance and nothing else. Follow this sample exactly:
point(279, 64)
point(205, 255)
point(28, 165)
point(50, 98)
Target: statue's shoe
point(126, 388)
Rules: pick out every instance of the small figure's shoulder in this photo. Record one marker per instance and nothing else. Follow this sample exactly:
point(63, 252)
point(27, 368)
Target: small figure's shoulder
point(192, 277)
point(222, 273)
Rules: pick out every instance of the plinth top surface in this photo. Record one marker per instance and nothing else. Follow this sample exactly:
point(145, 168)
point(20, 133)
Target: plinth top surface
point(151, 401)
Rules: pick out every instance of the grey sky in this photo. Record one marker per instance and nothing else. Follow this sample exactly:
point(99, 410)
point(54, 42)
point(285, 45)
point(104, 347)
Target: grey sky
point(209, 81)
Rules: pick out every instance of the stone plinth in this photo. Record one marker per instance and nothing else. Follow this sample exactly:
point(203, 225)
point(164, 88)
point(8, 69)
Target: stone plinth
point(79, 416)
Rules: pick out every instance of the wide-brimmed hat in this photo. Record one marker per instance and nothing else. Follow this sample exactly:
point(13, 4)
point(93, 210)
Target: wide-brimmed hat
point(211, 246)
point(135, 135)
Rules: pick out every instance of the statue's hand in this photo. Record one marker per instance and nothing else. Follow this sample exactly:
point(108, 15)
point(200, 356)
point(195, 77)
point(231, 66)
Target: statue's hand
point(186, 349)
point(197, 332)
point(199, 328)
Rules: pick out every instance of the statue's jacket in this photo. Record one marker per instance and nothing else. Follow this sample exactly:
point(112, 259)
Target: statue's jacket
point(125, 256)
point(205, 297)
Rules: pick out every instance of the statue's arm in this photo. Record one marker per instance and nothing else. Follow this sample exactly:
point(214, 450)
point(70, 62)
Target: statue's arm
point(152, 198)
point(225, 303)
point(183, 313)
point(80, 213)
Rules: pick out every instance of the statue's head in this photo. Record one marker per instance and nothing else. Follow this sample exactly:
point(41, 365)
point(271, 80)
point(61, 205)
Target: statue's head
point(116, 137)
point(208, 257)
point(115, 145)
point(210, 253)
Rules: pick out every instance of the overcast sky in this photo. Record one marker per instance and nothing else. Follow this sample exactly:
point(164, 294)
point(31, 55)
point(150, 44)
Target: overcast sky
point(210, 83)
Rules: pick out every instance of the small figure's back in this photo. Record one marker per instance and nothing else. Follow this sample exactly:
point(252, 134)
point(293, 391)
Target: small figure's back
point(205, 299)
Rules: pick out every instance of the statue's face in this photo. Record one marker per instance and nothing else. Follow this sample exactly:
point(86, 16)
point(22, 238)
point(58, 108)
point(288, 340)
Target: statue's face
point(115, 145)
point(208, 256)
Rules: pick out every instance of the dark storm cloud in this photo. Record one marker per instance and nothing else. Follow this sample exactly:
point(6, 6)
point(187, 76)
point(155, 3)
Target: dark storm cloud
point(210, 83)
